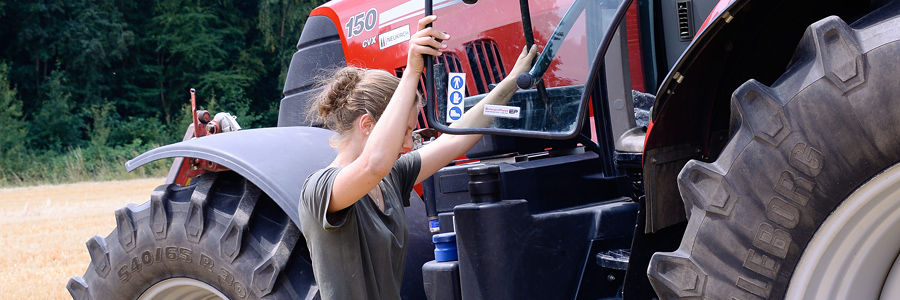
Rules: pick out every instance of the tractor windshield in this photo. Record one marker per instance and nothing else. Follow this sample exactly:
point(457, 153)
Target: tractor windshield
point(568, 34)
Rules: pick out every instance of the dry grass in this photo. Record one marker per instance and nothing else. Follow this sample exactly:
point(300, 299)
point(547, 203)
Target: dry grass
point(43, 230)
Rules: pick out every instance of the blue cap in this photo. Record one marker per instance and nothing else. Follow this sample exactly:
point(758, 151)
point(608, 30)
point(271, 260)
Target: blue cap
point(445, 246)
point(449, 237)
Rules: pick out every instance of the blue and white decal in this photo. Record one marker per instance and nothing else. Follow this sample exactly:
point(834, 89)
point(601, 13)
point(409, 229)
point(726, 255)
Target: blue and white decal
point(454, 114)
point(455, 94)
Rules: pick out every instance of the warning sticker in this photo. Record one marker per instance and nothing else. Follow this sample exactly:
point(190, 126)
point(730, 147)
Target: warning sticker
point(456, 91)
point(502, 111)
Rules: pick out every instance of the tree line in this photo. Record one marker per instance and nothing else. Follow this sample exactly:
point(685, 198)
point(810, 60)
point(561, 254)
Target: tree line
point(88, 84)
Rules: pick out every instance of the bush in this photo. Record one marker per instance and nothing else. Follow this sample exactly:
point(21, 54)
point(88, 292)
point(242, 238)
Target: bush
point(12, 128)
point(56, 126)
point(84, 164)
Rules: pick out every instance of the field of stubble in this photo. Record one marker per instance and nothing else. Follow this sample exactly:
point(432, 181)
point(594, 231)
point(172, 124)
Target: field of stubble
point(43, 230)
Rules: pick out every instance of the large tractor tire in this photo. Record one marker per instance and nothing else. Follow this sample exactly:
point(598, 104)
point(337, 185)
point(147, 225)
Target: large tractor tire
point(804, 201)
point(218, 238)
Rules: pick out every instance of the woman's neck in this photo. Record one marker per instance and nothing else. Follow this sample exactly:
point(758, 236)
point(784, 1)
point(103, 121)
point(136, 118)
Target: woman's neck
point(348, 152)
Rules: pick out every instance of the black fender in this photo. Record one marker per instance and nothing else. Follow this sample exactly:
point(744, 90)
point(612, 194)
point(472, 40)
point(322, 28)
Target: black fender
point(278, 160)
point(690, 119)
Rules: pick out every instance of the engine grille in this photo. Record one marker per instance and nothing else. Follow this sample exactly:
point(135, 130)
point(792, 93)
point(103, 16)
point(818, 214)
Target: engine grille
point(484, 60)
point(449, 60)
point(451, 64)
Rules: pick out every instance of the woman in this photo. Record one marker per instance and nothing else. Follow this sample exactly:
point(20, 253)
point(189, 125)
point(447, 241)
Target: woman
point(352, 211)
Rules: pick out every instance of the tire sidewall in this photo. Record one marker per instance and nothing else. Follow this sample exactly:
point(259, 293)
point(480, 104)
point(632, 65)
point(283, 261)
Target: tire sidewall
point(153, 261)
point(152, 243)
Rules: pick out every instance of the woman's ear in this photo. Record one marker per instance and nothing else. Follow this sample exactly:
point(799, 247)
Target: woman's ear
point(365, 124)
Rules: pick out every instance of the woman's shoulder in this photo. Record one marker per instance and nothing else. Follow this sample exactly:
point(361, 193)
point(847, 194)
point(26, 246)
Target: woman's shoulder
point(318, 180)
point(326, 173)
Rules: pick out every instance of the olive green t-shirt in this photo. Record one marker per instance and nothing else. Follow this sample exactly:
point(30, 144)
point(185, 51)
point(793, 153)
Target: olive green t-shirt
point(360, 251)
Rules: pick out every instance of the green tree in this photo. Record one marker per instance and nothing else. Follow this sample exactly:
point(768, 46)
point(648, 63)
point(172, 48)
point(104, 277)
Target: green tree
point(56, 126)
point(84, 38)
point(12, 127)
point(92, 39)
point(100, 128)
point(98, 75)
point(281, 22)
point(35, 25)
point(198, 41)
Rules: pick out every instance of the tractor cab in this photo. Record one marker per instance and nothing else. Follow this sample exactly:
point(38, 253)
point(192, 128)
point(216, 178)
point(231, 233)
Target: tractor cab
point(547, 172)
point(566, 132)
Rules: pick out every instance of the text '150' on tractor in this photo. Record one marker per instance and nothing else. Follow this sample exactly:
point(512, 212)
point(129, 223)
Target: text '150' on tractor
point(658, 149)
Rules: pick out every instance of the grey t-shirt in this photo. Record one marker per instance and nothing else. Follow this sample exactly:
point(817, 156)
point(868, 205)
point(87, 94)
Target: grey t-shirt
point(360, 251)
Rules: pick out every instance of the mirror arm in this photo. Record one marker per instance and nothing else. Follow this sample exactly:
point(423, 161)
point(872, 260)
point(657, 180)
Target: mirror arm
point(526, 23)
point(529, 42)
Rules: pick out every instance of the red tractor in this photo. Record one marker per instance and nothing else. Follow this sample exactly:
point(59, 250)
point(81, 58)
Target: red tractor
point(659, 149)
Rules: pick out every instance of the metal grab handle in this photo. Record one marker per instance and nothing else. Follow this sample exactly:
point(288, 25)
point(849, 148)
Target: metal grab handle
point(429, 62)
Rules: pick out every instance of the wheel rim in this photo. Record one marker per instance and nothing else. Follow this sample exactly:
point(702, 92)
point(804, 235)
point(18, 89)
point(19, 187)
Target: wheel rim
point(182, 288)
point(853, 255)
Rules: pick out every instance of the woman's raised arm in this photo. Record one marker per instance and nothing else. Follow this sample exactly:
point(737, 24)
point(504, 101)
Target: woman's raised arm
point(385, 136)
point(447, 147)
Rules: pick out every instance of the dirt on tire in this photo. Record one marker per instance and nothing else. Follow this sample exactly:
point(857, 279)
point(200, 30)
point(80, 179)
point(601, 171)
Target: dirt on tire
point(43, 230)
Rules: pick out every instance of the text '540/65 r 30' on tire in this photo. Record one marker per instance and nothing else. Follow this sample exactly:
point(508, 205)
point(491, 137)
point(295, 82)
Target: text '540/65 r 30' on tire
point(219, 238)
point(787, 210)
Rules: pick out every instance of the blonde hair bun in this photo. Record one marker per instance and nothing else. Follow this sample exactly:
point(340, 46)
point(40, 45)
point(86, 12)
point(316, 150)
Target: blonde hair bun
point(349, 93)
